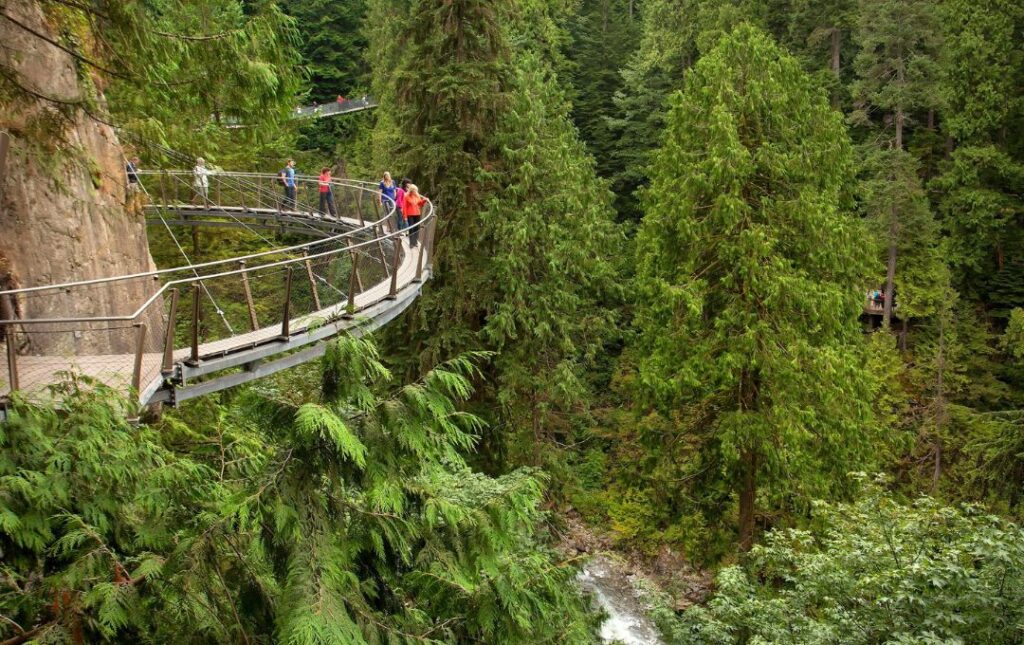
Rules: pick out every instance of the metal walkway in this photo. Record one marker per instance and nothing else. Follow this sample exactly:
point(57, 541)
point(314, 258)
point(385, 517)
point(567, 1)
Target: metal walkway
point(203, 327)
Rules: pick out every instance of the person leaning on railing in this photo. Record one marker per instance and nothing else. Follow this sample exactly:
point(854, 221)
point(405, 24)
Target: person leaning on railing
point(411, 209)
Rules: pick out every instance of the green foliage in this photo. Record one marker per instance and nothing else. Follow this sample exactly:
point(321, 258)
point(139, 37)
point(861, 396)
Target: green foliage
point(872, 571)
point(524, 231)
point(604, 34)
point(673, 35)
point(749, 268)
point(352, 518)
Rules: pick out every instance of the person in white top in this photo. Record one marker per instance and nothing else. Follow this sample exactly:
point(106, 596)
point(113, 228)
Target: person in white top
point(201, 181)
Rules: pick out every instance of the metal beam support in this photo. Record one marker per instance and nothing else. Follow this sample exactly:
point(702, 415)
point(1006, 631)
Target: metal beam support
point(287, 313)
point(312, 282)
point(350, 307)
point(197, 312)
point(140, 348)
point(168, 363)
point(396, 261)
point(254, 323)
point(11, 337)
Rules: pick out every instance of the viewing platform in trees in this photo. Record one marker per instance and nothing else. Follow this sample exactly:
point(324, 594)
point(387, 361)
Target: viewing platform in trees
point(875, 305)
point(212, 325)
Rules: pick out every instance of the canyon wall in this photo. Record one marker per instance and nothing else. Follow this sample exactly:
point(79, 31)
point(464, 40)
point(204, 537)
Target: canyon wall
point(62, 195)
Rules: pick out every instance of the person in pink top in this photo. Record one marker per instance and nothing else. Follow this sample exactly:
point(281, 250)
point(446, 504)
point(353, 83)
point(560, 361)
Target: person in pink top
point(400, 202)
point(326, 194)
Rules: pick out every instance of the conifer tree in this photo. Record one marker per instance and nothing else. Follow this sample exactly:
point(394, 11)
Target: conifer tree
point(981, 184)
point(604, 34)
point(897, 69)
point(822, 30)
point(525, 230)
point(672, 38)
point(749, 268)
point(348, 517)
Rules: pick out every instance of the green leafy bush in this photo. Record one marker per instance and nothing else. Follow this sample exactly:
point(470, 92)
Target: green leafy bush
point(873, 571)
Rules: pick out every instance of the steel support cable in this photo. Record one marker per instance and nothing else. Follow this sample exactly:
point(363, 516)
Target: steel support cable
point(267, 241)
point(259, 194)
point(190, 265)
point(319, 277)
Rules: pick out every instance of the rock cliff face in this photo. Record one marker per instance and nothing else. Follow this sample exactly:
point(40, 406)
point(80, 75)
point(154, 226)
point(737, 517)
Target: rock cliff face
point(62, 194)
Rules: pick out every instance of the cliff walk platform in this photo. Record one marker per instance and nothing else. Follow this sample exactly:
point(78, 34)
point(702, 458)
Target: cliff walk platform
point(173, 334)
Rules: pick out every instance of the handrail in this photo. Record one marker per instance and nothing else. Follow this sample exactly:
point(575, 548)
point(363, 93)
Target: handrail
point(191, 280)
point(159, 272)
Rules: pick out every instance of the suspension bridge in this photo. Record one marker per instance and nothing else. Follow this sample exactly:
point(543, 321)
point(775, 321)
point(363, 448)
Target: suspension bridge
point(207, 326)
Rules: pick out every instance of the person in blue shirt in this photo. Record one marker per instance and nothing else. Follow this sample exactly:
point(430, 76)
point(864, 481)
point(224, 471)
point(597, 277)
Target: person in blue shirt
point(387, 198)
point(287, 179)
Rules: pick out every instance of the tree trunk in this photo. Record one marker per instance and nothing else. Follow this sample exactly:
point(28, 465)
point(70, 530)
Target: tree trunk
point(748, 495)
point(836, 42)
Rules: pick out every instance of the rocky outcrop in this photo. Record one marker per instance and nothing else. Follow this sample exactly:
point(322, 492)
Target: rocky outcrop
point(62, 215)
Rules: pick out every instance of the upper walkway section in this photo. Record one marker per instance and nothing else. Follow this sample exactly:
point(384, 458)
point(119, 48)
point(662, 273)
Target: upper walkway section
point(212, 325)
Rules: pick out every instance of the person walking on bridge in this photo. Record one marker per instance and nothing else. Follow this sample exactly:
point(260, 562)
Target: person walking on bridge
point(411, 209)
point(134, 189)
point(389, 197)
point(400, 195)
point(287, 179)
point(201, 182)
point(326, 194)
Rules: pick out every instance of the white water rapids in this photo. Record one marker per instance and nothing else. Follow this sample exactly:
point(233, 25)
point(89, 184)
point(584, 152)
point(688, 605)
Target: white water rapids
point(613, 592)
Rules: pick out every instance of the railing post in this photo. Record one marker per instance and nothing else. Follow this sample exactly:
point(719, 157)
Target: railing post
point(431, 231)
point(355, 269)
point(254, 323)
point(197, 313)
point(7, 313)
point(287, 313)
point(359, 207)
point(396, 260)
point(216, 193)
point(163, 190)
point(140, 347)
point(168, 363)
point(312, 282)
point(419, 255)
point(378, 232)
point(350, 307)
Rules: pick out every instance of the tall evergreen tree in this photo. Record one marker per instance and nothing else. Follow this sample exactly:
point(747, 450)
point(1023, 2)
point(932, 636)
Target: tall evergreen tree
point(749, 273)
point(673, 35)
point(525, 227)
point(897, 69)
point(604, 34)
point(348, 516)
point(822, 31)
point(981, 185)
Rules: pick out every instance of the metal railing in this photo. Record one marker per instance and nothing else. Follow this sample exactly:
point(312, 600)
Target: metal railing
point(192, 316)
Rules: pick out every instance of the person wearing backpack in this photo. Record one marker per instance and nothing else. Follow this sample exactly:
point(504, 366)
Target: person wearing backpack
point(287, 180)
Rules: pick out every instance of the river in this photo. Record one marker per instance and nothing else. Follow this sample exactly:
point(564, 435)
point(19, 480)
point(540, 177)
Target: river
point(615, 594)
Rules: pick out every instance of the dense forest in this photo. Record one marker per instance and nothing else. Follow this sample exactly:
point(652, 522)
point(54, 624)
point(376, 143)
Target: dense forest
point(731, 289)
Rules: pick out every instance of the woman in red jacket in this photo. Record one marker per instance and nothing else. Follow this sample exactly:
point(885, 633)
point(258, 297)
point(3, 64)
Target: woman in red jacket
point(411, 210)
